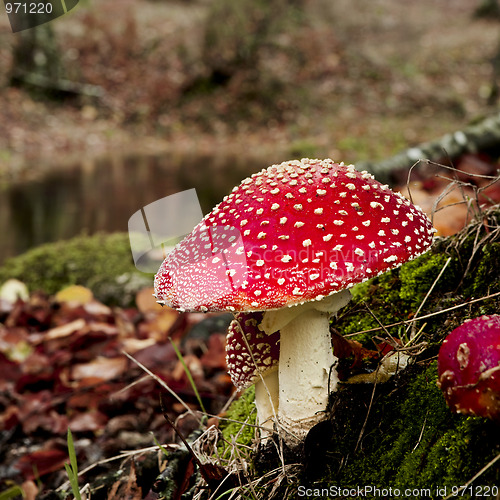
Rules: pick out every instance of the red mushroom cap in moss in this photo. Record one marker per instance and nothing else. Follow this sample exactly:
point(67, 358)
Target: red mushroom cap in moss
point(244, 335)
point(469, 367)
point(292, 233)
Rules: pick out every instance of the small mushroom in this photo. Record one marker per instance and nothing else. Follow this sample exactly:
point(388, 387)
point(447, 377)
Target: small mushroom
point(252, 358)
point(469, 367)
point(290, 241)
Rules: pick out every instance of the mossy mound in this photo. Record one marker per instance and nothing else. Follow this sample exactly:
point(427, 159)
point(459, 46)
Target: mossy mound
point(401, 435)
point(407, 439)
point(102, 262)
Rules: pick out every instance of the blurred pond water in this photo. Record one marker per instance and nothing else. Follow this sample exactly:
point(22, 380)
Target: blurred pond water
point(101, 194)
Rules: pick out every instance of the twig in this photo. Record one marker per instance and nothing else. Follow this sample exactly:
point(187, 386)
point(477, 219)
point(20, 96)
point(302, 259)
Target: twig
point(430, 315)
point(124, 454)
point(427, 296)
point(161, 382)
point(466, 485)
point(362, 431)
point(421, 433)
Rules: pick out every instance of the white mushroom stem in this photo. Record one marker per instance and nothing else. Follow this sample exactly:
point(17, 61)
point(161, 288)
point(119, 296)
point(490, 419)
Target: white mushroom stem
point(306, 359)
point(266, 401)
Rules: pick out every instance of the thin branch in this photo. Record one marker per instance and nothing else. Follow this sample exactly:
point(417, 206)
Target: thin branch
point(409, 321)
point(468, 483)
point(161, 382)
point(427, 296)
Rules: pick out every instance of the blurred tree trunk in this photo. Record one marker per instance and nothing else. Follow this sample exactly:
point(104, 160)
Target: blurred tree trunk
point(488, 8)
point(237, 31)
point(36, 58)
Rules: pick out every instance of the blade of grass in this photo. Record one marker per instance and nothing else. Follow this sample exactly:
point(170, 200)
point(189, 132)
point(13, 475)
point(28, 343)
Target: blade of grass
point(188, 373)
point(162, 448)
point(13, 492)
point(72, 470)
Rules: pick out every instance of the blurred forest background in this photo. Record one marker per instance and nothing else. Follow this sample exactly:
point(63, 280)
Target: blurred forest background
point(118, 96)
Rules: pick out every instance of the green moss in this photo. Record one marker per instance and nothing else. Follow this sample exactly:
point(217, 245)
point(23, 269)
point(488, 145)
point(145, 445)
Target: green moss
point(479, 280)
point(411, 440)
point(418, 276)
point(101, 262)
point(240, 413)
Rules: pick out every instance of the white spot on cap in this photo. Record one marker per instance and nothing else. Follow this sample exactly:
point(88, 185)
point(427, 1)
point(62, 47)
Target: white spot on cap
point(275, 206)
point(306, 243)
point(260, 263)
point(281, 281)
point(286, 258)
point(338, 222)
point(298, 206)
point(350, 186)
point(328, 237)
point(261, 235)
point(283, 220)
point(298, 224)
point(320, 192)
point(318, 211)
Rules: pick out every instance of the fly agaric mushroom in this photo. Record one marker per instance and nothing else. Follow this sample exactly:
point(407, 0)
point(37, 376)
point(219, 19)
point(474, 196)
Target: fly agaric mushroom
point(469, 367)
point(252, 358)
point(290, 241)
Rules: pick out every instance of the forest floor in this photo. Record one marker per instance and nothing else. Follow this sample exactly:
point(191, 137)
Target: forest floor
point(321, 80)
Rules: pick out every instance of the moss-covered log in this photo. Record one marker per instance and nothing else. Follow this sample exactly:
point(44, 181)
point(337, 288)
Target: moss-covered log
point(483, 136)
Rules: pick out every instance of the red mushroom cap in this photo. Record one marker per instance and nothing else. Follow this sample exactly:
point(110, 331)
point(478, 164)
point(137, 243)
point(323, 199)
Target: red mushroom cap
point(289, 234)
point(469, 367)
point(243, 367)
